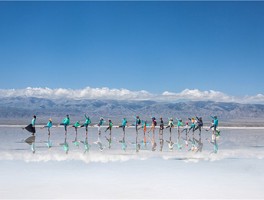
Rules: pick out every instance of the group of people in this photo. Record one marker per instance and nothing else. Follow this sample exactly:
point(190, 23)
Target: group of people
point(190, 125)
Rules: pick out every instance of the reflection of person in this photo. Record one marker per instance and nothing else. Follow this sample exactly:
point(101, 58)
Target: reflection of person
point(186, 128)
point(214, 143)
point(86, 145)
point(110, 125)
point(199, 146)
point(66, 145)
point(31, 127)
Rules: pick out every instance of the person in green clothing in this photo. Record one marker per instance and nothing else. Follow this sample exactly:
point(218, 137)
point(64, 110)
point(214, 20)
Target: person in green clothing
point(123, 141)
point(86, 123)
point(215, 133)
point(179, 126)
point(214, 124)
point(192, 126)
point(100, 123)
point(123, 126)
point(31, 127)
point(66, 123)
point(76, 126)
point(110, 125)
point(33, 121)
point(48, 126)
point(86, 144)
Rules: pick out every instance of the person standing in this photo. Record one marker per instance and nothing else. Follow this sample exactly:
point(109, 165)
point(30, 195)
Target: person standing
point(170, 125)
point(179, 126)
point(66, 123)
point(186, 128)
point(161, 128)
point(214, 133)
point(123, 126)
point(48, 126)
point(86, 124)
point(100, 123)
point(76, 126)
point(110, 125)
point(214, 124)
point(31, 127)
point(144, 132)
point(153, 140)
point(192, 126)
point(137, 124)
point(199, 125)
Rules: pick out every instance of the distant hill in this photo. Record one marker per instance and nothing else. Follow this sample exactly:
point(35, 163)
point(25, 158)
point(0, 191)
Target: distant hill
point(19, 110)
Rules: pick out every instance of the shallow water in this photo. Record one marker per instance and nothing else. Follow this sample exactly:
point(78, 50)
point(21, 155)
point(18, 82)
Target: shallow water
point(235, 172)
point(233, 143)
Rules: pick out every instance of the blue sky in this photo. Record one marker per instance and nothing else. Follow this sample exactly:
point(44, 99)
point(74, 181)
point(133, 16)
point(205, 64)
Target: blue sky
point(152, 46)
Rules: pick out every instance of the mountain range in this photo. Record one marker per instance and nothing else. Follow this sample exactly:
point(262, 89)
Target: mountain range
point(19, 110)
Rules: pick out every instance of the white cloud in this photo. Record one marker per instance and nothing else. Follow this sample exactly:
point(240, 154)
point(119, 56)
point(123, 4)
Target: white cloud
point(86, 93)
point(198, 95)
point(124, 94)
